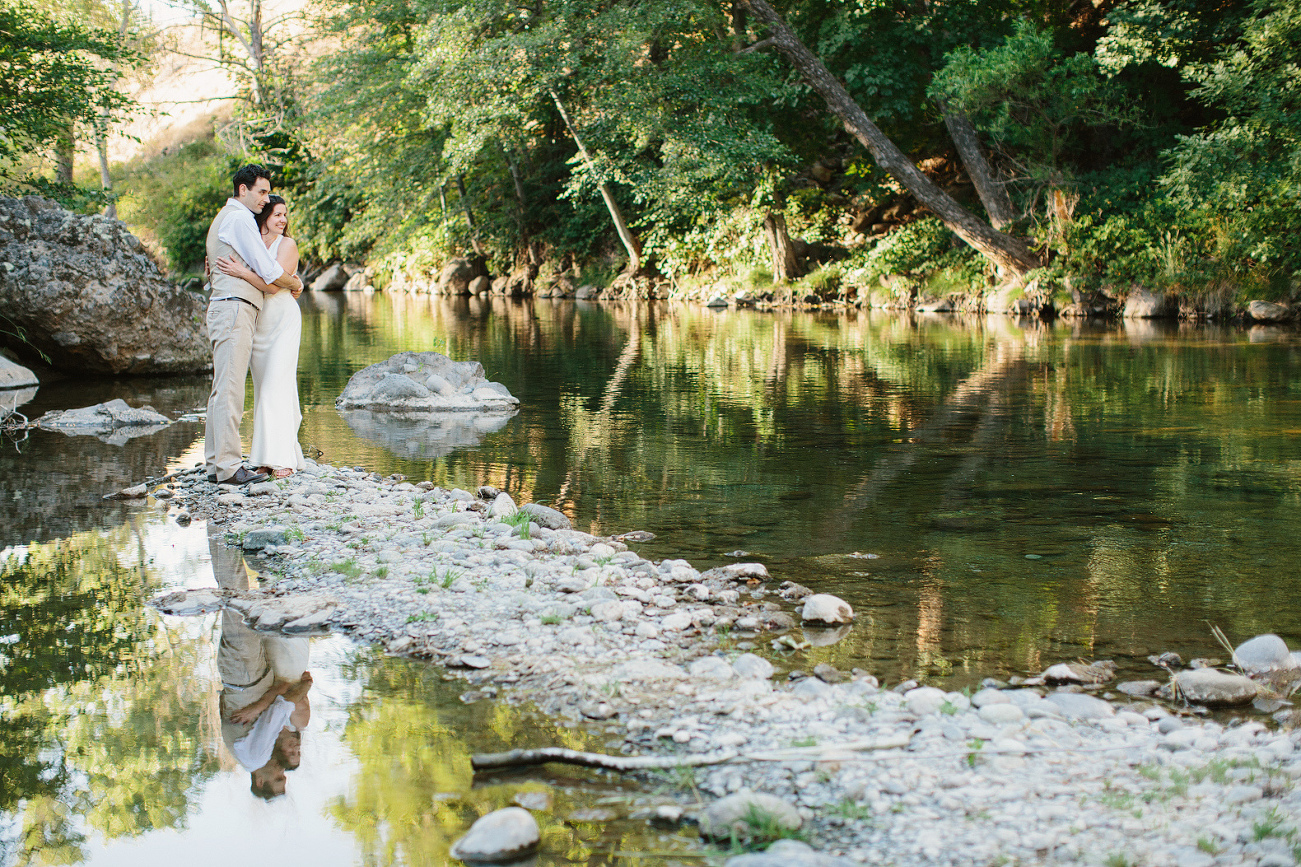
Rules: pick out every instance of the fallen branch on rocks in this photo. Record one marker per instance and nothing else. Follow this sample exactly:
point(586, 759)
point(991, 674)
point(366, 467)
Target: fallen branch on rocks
point(530, 758)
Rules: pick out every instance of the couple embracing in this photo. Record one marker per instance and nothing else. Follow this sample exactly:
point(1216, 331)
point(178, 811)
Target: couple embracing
point(253, 322)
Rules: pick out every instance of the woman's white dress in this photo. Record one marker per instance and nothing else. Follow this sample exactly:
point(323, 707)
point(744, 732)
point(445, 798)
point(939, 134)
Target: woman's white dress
point(276, 412)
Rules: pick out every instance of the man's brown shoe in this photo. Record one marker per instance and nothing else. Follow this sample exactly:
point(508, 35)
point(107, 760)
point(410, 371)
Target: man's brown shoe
point(244, 476)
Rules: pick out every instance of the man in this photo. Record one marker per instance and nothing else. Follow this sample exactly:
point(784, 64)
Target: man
point(232, 317)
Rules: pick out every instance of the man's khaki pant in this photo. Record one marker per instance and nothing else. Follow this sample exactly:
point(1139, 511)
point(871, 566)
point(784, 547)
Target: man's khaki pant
point(230, 329)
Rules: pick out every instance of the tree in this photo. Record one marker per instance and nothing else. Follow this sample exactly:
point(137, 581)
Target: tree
point(1005, 251)
point(54, 76)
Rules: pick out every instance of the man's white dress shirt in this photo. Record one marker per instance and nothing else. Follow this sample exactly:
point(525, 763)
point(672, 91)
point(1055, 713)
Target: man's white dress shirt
point(240, 231)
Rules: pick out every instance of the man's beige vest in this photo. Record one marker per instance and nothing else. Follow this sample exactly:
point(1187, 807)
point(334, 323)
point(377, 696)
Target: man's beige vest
point(224, 285)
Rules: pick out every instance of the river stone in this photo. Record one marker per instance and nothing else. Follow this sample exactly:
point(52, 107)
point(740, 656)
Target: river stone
point(84, 291)
point(1142, 304)
point(1263, 654)
point(1001, 714)
point(459, 273)
point(1139, 688)
point(332, 279)
point(989, 696)
point(184, 603)
point(924, 699)
point(547, 517)
point(737, 572)
point(256, 540)
point(710, 667)
point(1268, 311)
point(114, 422)
point(1080, 672)
point(787, 853)
point(1215, 688)
point(1073, 705)
point(749, 665)
point(15, 375)
point(503, 835)
point(733, 817)
point(823, 608)
point(397, 385)
point(503, 507)
point(824, 636)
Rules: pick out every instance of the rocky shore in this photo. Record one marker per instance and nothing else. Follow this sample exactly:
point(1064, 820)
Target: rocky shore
point(659, 656)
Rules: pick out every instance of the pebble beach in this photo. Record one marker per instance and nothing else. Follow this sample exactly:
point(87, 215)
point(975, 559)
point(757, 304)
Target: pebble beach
point(668, 660)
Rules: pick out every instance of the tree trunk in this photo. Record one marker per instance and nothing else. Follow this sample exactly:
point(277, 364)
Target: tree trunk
point(1006, 252)
point(993, 195)
point(105, 179)
point(65, 148)
point(785, 264)
point(630, 242)
point(469, 215)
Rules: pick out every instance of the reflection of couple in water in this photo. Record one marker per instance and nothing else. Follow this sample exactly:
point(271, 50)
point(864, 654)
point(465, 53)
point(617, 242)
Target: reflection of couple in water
point(265, 682)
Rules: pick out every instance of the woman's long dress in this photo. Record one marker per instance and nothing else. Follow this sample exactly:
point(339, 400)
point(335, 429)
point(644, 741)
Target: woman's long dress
point(276, 412)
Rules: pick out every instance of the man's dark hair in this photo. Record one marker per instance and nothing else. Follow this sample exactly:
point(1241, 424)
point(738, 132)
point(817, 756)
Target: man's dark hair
point(247, 177)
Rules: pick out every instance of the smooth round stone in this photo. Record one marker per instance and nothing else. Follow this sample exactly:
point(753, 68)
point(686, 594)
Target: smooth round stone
point(810, 687)
point(990, 696)
point(1074, 705)
point(1263, 654)
point(1215, 688)
point(752, 666)
point(924, 700)
point(1001, 714)
point(502, 835)
point(823, 608)
point(733, 817)
point(710, 667)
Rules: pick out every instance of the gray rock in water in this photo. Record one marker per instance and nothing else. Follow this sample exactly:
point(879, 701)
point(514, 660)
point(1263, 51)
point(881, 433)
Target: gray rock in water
point(825, 636)
point(546, 517)
point(825, 609)
point(12, 398)
point(1080, 672)
point(1268, 311)
point(399, 385)
point(184, 603)
point(748, 815)
point(113, 422)
point(85, 292)
point(1139, 688)
point(787, 853)
point(15, 375)
point(737, 572)
point(1073, 705)
point(501, 836)
point(276, 612)
point(1263, 654)
point(1142, 304)
point(423, 436)
point(332, 279)
point(1213, 688)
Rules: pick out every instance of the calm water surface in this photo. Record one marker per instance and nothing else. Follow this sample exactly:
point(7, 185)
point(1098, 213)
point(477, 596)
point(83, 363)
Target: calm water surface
point(991, 498)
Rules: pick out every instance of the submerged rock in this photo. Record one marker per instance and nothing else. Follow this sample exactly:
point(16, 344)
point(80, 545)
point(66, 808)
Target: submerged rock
point(1268, 311)
point(501, 836)
point(1080, 672)
point(425, 382)
point(1215, 688)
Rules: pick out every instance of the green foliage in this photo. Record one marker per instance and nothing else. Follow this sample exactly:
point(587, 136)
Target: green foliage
point(1244, 171)
point(53, 75)
point(173, 198)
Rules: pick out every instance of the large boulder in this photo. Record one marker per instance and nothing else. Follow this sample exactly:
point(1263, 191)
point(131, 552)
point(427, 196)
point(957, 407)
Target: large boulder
point(1268, 311)
point(458, 274)
point(425, 382)
point(1264, 654)
point(15, 375)
point(84, 292)
point(332, 279)
point(1142, 304)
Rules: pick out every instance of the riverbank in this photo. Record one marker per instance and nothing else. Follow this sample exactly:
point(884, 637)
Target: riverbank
point(657, 655)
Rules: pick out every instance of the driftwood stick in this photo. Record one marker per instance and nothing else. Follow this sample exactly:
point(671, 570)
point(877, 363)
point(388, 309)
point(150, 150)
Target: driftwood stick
point(829, 752)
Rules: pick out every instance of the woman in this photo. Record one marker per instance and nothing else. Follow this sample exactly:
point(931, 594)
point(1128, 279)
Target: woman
point(276, 412)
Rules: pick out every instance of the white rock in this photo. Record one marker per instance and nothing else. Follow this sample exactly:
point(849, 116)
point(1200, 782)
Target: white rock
point(503, 506)
point(1074, 705)
point(823, 608)
point(924, 699)
point(1263, 654)
point(502, 835)
point(711, 667)
point(1001, 714)
point(1215, 688)
point(733, 816)
point(749, 665)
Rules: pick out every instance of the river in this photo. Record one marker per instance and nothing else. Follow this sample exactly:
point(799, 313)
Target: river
point(991, 497)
